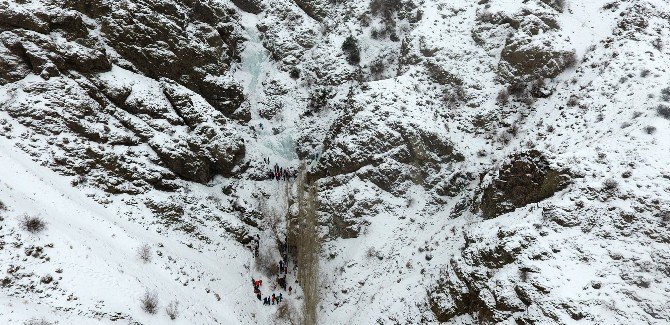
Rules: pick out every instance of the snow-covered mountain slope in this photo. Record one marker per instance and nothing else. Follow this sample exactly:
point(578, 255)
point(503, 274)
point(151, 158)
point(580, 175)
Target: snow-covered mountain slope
point(465, 162)
point(90, 251)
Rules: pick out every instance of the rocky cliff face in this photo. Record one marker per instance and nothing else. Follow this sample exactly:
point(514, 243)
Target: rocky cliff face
point(473, 161)
point(127, 75)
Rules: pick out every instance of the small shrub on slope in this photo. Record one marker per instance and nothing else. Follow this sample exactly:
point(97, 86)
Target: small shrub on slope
point(665, 94)
point(32, 224)
point(351, 50)
point(663, 111)
point(149, 302)
point(503, 97)
point(650, 129)
point(610, 185)
point(144, 253)
point(172, 309)
point(294, 73)
point(36, 321)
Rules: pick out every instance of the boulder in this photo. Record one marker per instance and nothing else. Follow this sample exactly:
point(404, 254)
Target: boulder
point(251, 6)
point(12, 17)
point(527, 59)
point(13, 65)
point(526, 178)
point(317, 9)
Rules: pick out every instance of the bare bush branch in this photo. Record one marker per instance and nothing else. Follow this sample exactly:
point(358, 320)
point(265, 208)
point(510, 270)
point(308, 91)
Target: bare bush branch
point(172, 309)
point(149, 302)
point(36, 321)
point(32, 224)
point(144, 253)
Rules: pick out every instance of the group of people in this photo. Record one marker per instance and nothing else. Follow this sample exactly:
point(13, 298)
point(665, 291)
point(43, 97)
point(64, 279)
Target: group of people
point(282, 267)
point(255, 245)
point(273, 299)
point(280, 173)
point(281, 278)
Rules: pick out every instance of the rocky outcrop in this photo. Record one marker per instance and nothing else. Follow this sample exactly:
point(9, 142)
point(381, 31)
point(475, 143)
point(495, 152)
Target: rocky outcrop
point(526, 178)
point(164, 39)
point(212, 148)
point(185, 43)
point(378, 143)
point(252, 6)
point(192, 42)
point(529, 59)
point(464, 286)
point(83, 140)
point(316, 9)
point(528, 39)
point(287, 46)
point(28, 51)
point(342, 213)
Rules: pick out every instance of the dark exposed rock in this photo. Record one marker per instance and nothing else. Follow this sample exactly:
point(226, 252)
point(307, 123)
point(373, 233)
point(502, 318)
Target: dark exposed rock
point(91, 8)
point(44, 57)
point(466, 285)
point(240, 233)
point(524, 294)
point(388, 175)
point(342, 214)
point(529, 49)
point(170, 212)
point(441, 76)
point(209, 152)
point(316, 9)
point(68, 22)
point(508, 246)
point(529, 61)
point(526, 178)
point(12, 17)
point(453, 185)
point(252, 6)
point(14, 64)
point(556, 4)
point(36, 50)
point(456, 293)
